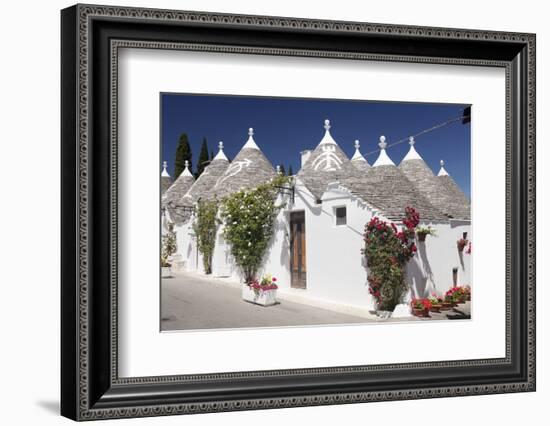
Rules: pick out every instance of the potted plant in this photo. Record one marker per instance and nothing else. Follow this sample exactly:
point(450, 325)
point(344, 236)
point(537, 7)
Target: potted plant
point(261, 292)
point(436, 303)
point(422, 232)
point(455, 295)
point(165, 268)
point(460, 244)
point(421, 307)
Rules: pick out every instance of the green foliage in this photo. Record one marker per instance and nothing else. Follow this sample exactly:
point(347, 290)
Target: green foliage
point(203, 158)
point(183, 153)
point(168, 247)
point(248, 216)
point(205, 227)
point(388, 250)
point(282, 169)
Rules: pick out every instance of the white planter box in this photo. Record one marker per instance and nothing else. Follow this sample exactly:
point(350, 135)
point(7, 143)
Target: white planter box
point(263, 298)
point(166, 272)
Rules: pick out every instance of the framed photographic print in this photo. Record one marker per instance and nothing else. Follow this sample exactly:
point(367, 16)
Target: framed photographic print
point(263, 212)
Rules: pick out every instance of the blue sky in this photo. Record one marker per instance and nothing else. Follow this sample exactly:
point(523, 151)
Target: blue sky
point(285, 126)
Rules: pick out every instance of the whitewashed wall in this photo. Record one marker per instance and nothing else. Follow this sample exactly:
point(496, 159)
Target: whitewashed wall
point(336, 270)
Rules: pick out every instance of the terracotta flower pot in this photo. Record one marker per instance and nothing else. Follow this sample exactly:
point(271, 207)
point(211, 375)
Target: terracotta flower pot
point(421, 312)
point(445, 306)
point(436, 308)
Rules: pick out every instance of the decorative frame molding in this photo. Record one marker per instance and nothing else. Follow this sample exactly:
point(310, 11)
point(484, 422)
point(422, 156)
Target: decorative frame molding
point(91, 37)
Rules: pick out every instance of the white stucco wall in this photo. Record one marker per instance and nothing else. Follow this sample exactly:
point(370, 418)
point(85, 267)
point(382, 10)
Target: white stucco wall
point(336, 270)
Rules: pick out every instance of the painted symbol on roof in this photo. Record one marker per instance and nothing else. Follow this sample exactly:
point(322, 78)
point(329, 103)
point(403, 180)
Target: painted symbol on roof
point(234, 168)
point(328, 160)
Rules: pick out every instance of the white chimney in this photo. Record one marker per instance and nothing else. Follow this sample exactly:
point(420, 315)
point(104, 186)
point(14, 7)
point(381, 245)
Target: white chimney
point(305, 155)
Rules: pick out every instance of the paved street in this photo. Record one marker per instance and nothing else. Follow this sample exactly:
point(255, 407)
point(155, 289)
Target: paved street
point(191, 302)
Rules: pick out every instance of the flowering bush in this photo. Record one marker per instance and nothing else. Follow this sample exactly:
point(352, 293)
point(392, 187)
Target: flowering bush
point(469, 249)
point(387, 250)
point(248, 217)
point(266, 283)
point(460, 244)
point(422, 304)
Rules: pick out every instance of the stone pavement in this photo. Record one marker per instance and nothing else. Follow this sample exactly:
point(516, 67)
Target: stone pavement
point(190, 301)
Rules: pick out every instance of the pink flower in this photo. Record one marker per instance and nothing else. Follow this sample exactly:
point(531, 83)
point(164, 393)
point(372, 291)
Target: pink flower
point(274, 279)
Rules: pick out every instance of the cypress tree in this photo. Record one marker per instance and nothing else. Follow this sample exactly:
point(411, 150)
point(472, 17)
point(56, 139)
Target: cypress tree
point(290, 170)
point(283, 171)
point(203, 158)
point(211, 155)
point(183, 153)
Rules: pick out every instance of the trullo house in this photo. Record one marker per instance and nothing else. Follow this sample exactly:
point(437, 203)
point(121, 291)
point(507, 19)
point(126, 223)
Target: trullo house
point(316, 247)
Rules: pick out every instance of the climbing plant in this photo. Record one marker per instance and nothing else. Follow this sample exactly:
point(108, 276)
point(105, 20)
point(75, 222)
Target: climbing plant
point(248, 218)
point(168, 247)
point(205, 226)
point(387, 250)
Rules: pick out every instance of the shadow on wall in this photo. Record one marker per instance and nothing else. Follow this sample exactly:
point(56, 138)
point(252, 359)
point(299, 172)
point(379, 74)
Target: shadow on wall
point(419, 276)
point(427, 268)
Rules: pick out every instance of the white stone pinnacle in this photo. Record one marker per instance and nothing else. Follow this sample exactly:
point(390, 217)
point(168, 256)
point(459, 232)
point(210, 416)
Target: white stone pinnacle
point(412, 154)
point(186, 171)
point(328, 137)
point(164, 171)
point(442, 171)
point(357, 156)
point(383, 159)
point(220, 155)
point(250, 143)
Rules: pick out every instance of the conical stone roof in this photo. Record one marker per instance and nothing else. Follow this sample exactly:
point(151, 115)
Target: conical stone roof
point(459, 204)
point(165, 179)
point(385, 187)
point(179, 188)
point(173, 197)
point(180, 211)
point(248, 169)
point(326, 164)
point(422, 177)
point(358, 161)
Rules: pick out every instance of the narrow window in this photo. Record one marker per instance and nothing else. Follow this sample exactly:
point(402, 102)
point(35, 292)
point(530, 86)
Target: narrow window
point(340, 213)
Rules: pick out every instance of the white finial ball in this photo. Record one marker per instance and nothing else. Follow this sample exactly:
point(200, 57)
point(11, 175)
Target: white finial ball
point(357, 146)
point(165, 164)
point(250, 131)
point(327, 124)
point(411, 140)
point(278, 169)
point(220, 145)
point(186, 163)
point(382, 139)
point(442, 163)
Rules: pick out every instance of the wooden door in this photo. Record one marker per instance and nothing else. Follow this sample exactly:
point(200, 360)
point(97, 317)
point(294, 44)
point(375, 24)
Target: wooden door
point(298, 250)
